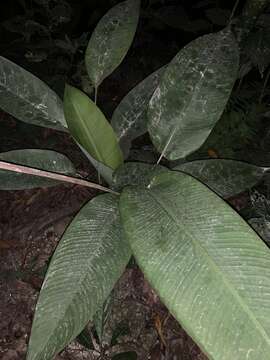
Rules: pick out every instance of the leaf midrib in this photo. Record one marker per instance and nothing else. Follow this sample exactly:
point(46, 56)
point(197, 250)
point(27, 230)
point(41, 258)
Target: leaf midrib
point(214, 266)
point(46, 113)
point(187, 105)
point(78, 283)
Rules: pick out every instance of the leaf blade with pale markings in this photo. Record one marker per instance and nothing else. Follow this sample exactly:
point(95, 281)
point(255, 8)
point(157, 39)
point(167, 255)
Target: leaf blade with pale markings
point(208, 266)
point(225, 177)
point(29, 99)
point(111, 40)
point(40, 159)
point(192, 94)
point(88, 261)
point(129, 119)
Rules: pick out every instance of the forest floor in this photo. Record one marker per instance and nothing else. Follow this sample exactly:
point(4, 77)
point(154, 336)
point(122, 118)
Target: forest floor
point(31, 225)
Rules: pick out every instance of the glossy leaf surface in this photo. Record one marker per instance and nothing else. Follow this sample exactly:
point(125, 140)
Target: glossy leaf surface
point(111, 40)
point(29, 99)
point(88, 261)
point(192, 94)
point(225, 177)
point(91, 130)
point(41, 159)
point(129, 119)
point(209, 267)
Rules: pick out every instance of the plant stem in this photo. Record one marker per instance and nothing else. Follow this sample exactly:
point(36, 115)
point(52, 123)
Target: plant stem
point(264, 86)
point(54, 176)
point(95, 99)
point(96, 94)
point(166, 146)
point(233, 11)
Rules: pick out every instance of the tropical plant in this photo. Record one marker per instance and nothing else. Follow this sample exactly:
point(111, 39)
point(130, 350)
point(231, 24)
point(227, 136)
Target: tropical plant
point(206, 263)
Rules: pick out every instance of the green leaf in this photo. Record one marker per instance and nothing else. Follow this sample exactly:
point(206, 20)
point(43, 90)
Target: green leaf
point(40, 159)
point(209, 267)
point(88, 261)
point(135, 173)
point(129, 119)
point(225, 177)
point(91, 130)
point(192, 94)
point(29, 99)
point(111, 40)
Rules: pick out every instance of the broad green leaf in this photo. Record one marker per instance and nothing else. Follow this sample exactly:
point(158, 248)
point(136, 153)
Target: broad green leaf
point(91, 130)
point(209, 267)
point(192, 94)
point(87, 263)
point(40, 159)
point(225, 177)
point(129, 119)
point(111, 40)
point(135, 173)
point(29, 99)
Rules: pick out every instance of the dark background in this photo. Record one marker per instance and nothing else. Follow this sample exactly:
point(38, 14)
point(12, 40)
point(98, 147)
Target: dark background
point(48, 38)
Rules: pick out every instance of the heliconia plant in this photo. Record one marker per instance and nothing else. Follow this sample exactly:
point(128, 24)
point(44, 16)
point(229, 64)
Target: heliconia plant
point(205, 262)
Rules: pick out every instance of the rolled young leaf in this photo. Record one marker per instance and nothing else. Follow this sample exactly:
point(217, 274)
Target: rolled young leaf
point(29, 99)
point(192, 94)
point(103, 170)
point(225, 177)
point(209, 267)
point(87, 263)
point(111, 40)
point(129, 119)
point(91, 130)
point(40, 159)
